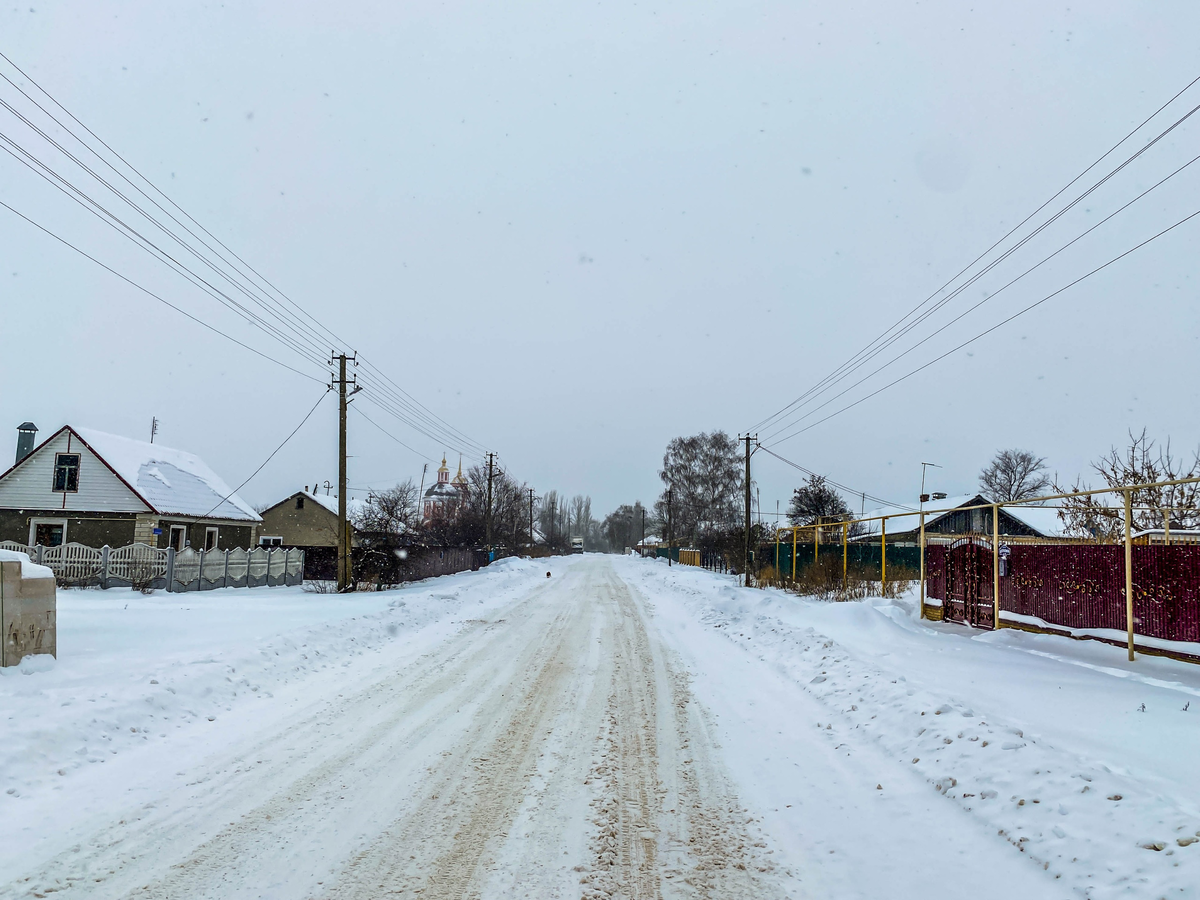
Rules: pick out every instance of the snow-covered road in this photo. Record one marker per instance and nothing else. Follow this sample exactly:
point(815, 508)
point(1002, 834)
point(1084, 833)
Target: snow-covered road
point(616, 730)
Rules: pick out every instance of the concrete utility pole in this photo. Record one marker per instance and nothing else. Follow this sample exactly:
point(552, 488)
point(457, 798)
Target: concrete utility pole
point(491, 457)
point(670, 526)
point(531, 541)
point(746, 560)
point(344, 569)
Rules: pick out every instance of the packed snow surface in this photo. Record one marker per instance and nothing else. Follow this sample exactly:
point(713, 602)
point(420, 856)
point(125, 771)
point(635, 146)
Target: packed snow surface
point(619, 729)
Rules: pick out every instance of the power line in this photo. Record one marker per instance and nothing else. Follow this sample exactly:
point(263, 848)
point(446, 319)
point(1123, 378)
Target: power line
point(307, 416)
point(798, 418)
point(300, 337)
point(871, 348)
point(844, 487)
point(988, 331)
point(151, 293)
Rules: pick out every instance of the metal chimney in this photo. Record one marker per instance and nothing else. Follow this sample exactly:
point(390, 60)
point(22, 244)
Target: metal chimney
point(26, 439)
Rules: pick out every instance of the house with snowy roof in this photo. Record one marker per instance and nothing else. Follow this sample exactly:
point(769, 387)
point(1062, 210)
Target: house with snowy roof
point(965, 514)
point(89, 487)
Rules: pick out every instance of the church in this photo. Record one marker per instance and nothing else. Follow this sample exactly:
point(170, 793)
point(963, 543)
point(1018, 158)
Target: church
point(443, 498)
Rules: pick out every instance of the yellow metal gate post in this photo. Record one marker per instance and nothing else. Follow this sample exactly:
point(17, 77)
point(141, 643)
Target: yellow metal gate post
point(883, 557)
point(1129, 572)
point(845, 549)
point(996, 566)
point(794, 530)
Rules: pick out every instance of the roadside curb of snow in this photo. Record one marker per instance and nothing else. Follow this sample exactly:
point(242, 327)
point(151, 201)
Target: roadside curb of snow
point(1102, 832)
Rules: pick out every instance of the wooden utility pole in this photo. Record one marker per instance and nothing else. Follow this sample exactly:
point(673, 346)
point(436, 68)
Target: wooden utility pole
point(344, 568)
point(746, 559)
point(670, 526)
point(491, 458)
point(531, 541)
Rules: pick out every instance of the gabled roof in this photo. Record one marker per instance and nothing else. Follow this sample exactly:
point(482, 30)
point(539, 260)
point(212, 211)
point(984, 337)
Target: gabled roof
point(1042, 519)
point(324, 501)
point(169, 481)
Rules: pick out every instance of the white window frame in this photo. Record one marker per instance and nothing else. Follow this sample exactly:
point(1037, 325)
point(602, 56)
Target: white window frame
point(213, 531)
point(270, 540)
point(35, 522)
point(171, 529)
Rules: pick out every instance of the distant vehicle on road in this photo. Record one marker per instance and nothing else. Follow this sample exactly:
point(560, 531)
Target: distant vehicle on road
point(577, 545)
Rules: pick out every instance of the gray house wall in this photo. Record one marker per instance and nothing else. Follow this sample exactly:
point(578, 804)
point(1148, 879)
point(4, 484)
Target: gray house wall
point(93, 529)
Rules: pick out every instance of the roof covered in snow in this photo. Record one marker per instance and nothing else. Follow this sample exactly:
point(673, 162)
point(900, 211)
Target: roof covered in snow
point(171, 481)
point(1042, 519)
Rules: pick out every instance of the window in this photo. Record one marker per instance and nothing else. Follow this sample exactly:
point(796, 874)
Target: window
point(270, 541)
point(178, 537)
point(299, 503)
point(210, 537)
point(49, 534)
point(66, 472)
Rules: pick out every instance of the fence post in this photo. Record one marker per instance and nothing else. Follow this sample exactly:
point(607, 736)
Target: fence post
point(883, 557)
point(225, 580)
point(794, 530)
point(104, 567)
point(1129, 572)
point(170, 569)
point(41, 555)
point(845, 552)
point(996, 566)
point(922, 541)
point(200, 572)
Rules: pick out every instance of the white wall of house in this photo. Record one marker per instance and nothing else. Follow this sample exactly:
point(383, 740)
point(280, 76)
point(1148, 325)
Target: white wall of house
point(31, 485)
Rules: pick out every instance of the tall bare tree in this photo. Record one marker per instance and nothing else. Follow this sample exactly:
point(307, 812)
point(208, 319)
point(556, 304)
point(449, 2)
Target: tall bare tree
point(1014, 475)
point(816, 500)
point(1144, 461)
point(704, 474)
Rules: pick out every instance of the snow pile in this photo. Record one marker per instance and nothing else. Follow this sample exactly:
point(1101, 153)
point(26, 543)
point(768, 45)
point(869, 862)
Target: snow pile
point(1043, 739)
point(29, 569)
point(136, 670)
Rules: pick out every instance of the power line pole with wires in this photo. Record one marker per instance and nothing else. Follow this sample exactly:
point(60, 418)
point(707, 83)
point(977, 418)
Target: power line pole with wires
point(491, 458)
point(531, 541)
point(344, 568)
point(746, 558)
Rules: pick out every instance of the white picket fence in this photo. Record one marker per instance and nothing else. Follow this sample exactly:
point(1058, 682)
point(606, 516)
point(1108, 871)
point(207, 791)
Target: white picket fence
point(186, 570)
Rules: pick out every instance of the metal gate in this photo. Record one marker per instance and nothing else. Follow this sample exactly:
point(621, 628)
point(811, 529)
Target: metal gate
point(969, 583)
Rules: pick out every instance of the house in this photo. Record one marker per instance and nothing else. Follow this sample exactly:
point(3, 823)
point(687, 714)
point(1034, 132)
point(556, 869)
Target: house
point(955, 515)
point(97, 489)
point(305, 519)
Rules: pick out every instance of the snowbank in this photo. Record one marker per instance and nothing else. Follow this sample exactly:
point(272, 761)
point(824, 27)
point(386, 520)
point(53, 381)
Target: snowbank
point(1081, 761)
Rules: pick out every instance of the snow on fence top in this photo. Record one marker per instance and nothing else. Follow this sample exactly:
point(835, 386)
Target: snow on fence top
point(29, 569)
point(171, 481)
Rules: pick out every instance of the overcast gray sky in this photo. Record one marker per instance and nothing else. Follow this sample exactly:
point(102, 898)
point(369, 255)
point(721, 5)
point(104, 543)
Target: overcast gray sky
point(576, 231)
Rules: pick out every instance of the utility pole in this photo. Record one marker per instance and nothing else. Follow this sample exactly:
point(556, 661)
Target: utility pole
point(531, 523)
point(491, 457)
point(746, 559)
point(344, 569)
point(642, 547)
point(670, 525)
point(153, 428)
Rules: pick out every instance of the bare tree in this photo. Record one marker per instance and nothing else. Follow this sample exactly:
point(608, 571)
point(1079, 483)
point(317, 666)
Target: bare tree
point(704, 474)
point(1014, 475)
point(1142, 462)
point(390, 511)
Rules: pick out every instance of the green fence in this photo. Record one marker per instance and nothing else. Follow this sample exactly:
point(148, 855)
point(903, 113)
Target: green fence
point(863, 559)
